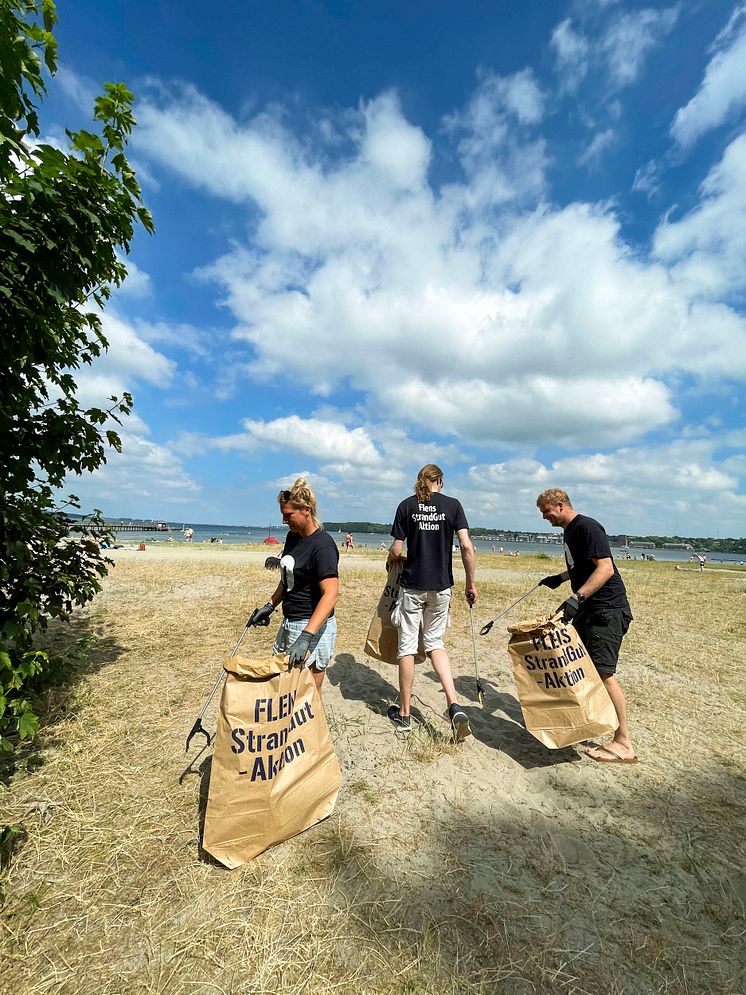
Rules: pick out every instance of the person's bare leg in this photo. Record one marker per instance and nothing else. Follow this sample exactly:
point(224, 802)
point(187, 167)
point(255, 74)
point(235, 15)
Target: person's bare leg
point(442, 667)
point(622, 742)
point(406, 682)
point(318, 680)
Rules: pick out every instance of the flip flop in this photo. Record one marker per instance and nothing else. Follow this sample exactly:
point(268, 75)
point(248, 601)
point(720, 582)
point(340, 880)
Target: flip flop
point(613, 757)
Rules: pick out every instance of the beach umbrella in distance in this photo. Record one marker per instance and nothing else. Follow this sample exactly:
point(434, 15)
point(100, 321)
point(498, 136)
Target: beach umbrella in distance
point(270, 541)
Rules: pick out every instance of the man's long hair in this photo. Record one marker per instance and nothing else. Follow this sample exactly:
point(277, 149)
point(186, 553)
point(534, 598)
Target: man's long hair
point(430, 474)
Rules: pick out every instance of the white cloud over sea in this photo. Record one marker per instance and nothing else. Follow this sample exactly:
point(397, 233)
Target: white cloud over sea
point(393, 290)
point(488, 314)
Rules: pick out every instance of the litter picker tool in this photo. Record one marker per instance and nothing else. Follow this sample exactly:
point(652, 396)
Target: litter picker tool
point(480, 689)
point(198, 727)
point(486, 628)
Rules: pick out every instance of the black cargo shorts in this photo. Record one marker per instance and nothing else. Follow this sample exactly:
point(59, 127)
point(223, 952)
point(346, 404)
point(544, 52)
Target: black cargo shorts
point(602, 631)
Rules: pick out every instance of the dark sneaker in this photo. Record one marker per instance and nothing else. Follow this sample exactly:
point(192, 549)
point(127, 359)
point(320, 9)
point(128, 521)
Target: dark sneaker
point(459, 722)
point(401, 722)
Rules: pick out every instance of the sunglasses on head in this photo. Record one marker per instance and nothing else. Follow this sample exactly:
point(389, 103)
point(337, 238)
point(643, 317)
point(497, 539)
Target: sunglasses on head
point(286, 495)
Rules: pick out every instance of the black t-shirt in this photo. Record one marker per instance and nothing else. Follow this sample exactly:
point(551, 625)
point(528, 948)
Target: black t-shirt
point(304, 562)
point(428, 530)
point(586, 539)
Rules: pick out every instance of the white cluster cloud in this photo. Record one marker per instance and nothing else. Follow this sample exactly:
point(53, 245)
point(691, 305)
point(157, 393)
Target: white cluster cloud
point(137, 283)
point(647, 178)
point(182, 336)
point(476, 324)
point(145, 474)
point(618, 49)
point(625, 490)
point(326, 440)
point(141, 479)
point(129, 357)
point(501, 157)
point(394, 151)
point(599, 145)
point(572, 52)
point(128, 361)
point(630, 38)
point(723, 89)
point(707, 247)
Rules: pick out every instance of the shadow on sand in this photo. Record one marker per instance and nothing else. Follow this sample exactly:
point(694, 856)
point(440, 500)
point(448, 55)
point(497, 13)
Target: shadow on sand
point(505, 732)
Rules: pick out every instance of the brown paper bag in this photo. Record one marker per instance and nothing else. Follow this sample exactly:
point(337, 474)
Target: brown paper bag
point(562, 698)
point(274, 771)
point(382, 641)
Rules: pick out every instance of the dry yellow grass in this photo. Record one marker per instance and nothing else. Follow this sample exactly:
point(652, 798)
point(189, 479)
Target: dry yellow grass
point(492, 867)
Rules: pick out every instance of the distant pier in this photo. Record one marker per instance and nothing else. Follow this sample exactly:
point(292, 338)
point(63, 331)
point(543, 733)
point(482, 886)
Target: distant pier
point(149, 527)
point(126, 527)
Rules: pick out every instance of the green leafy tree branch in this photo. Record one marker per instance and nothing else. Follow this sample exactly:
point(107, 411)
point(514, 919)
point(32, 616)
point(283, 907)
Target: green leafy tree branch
point(66, 220)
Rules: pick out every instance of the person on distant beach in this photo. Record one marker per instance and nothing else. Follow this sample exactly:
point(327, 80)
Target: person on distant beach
point(188, 533)
point(597, 607)
point(349, 544)
point(427, 522)
point(701, 560)
point(308, 587)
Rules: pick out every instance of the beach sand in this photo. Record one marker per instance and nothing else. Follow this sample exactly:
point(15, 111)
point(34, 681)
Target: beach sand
point(495, 865)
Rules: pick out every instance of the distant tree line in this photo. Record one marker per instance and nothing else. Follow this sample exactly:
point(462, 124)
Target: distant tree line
point(374, 527)
point(698, 545)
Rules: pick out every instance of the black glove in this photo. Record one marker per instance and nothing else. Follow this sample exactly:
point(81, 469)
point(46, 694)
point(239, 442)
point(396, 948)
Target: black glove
point(298, 651)
point(553, 580)
point(260, 616)
point(569, 609)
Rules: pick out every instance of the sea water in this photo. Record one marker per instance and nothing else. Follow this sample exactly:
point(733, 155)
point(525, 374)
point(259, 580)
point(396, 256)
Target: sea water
point(234, 534)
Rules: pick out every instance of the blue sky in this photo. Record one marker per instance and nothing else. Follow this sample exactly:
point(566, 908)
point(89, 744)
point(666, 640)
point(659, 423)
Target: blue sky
point(508, 238)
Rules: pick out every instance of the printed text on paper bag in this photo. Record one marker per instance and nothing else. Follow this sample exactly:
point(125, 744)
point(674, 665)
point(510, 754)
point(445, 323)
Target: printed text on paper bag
point(271, 750)
point(551, 665)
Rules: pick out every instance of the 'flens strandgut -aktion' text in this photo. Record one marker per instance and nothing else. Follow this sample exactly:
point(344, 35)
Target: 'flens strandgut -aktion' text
point(274, 746)
point(570, 654)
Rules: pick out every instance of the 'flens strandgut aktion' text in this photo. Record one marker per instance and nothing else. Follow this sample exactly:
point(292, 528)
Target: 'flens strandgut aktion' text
point(570, 654)
point(274, 748)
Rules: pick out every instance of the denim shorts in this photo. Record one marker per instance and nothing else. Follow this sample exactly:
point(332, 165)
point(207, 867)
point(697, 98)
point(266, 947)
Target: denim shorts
point(322, 644)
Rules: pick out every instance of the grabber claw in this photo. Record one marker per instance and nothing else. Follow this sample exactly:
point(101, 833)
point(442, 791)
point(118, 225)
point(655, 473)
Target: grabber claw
point(486, 628)
point(197, 728)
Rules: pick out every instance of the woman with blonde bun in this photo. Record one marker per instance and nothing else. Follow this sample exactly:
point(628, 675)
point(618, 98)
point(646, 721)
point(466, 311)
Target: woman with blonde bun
point(309, 585)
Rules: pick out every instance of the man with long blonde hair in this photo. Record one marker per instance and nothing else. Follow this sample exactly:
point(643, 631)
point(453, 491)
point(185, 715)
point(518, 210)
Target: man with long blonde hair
point(427, 522)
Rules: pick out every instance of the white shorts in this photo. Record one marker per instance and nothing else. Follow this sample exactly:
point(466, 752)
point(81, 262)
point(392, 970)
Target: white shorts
point(429, 608)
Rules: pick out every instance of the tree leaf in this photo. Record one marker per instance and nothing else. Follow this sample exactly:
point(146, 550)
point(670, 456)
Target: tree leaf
point(66, 220)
